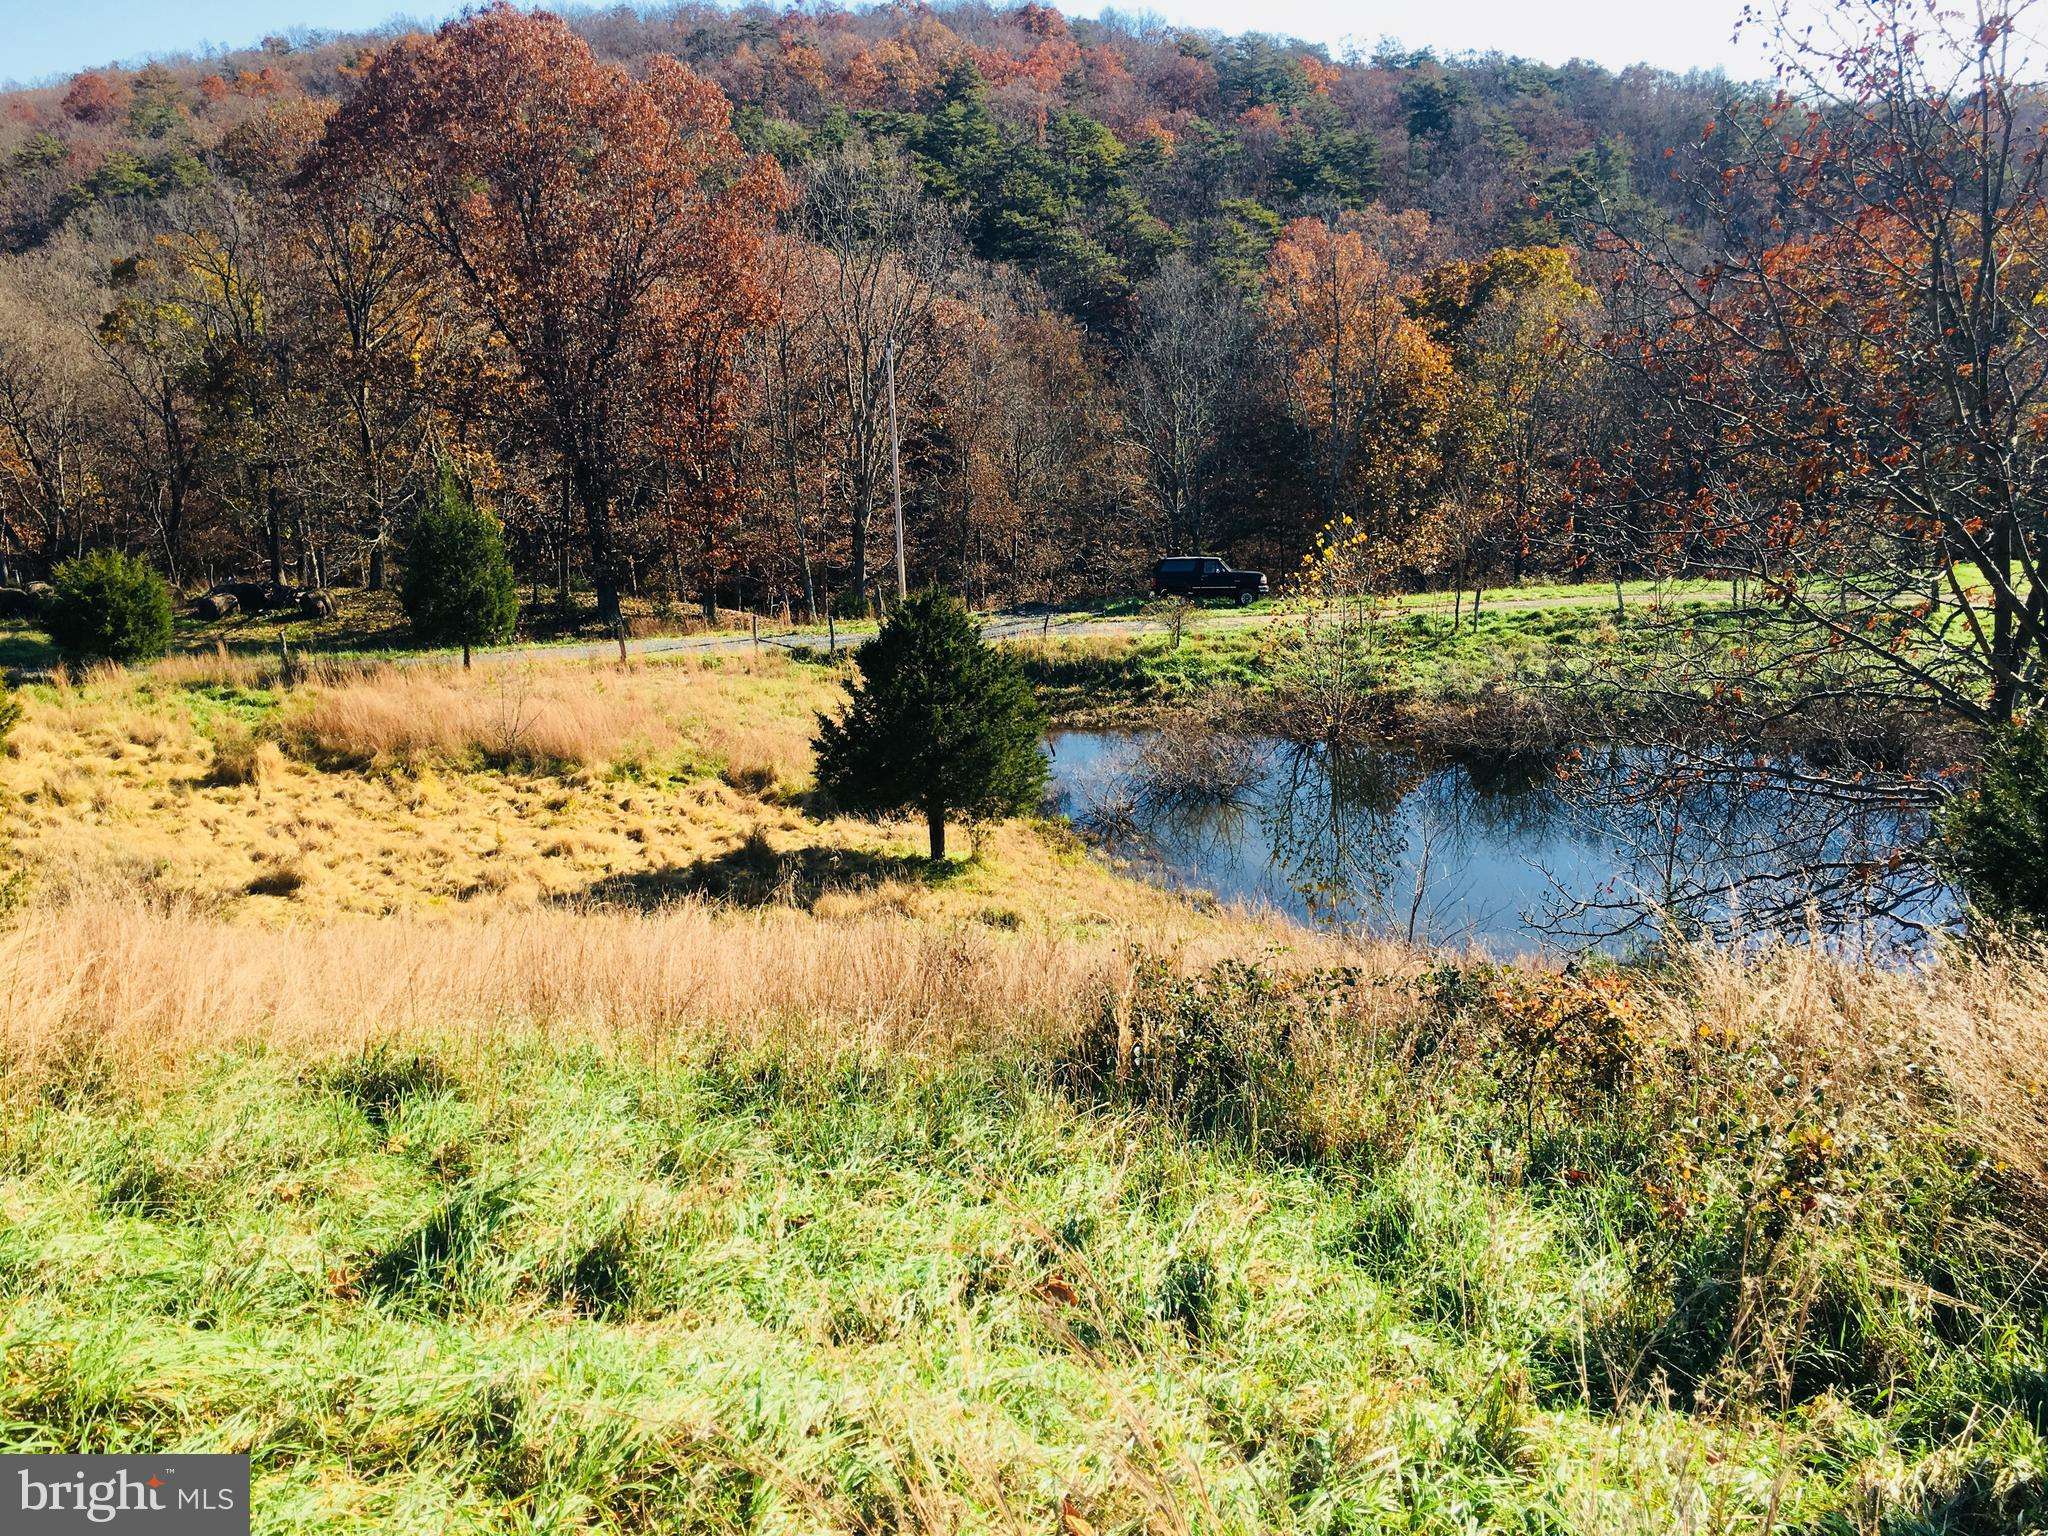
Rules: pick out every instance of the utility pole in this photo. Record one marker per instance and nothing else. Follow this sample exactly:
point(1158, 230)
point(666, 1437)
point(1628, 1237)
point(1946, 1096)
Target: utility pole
point(896, 469)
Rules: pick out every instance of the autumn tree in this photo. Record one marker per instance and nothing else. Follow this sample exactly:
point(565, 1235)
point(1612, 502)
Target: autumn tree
point(1369, 385)
point(370, 291)
point(886, 253)
point(792, 399)
point(1042, 485)
point(1518, 324)
point(154, 347)
point(592, 220)
point(1844, 402)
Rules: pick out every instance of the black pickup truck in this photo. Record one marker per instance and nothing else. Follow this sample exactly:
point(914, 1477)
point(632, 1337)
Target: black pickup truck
point(1199, 576)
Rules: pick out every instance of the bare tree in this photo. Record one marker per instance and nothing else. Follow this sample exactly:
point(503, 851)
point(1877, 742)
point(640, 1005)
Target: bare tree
point(52, 396)
point(887, 252)
point(1192, 336)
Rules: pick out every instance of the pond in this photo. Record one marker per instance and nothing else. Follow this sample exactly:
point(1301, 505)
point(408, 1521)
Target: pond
point(1602, 848)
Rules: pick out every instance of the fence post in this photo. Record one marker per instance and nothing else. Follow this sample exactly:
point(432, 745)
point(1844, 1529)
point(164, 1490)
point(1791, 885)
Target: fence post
point(831, 633)
point(754, 625)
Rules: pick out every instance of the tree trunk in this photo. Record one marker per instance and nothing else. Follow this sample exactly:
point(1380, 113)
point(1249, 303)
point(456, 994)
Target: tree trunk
point(594, 497)
point(709, 596)
point(935, 824)
point(860, 560)
point(273, 535)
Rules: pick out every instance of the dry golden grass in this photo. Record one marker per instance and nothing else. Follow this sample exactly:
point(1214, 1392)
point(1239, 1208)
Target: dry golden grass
point(626, 785)
point(124, 988)
point(135, 986)
point(504, 719)
point(1976, 1024)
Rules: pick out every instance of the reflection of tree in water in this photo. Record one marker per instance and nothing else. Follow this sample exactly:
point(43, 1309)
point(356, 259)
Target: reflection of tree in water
point(1630, 841)
point(1332, 817)
point(1742, 846)
point(1496, 795)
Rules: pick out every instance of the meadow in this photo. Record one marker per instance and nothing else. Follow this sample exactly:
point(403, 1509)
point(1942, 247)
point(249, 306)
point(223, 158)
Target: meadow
point(517, 1101)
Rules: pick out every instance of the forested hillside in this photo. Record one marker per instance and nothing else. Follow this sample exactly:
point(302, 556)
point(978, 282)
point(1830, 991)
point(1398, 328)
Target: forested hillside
point(1123, 271)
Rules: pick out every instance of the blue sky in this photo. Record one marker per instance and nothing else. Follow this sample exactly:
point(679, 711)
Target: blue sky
point(41, 38)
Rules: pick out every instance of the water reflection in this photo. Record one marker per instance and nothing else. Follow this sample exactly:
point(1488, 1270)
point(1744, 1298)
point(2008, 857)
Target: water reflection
point(1515, 852)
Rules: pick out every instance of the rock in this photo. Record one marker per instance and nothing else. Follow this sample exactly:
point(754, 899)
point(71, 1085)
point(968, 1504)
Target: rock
point(15, 604)
point(217, 605)
point(316, 604)
point(40, 593)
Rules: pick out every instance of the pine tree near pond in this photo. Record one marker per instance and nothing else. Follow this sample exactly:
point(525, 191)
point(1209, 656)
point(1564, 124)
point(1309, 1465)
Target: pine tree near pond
point(940, 723)
point(459, 587)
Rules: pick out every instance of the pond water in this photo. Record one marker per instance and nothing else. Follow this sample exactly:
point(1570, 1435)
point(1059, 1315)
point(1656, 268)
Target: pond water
point(1605, 848)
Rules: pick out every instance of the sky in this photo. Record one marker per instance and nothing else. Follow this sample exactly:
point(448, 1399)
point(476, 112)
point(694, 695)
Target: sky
point(44, 38)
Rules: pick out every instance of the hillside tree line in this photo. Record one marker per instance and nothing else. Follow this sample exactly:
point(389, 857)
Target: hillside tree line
point(639, 280)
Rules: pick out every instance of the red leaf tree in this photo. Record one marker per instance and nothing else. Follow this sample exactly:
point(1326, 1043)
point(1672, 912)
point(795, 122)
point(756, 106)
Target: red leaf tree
point(1841, 400)
point(606, 229)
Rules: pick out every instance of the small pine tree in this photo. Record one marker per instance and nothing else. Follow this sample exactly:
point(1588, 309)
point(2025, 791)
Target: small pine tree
point(459, 588)
point(109, 607)
point(1993, 839)
point(940, 723)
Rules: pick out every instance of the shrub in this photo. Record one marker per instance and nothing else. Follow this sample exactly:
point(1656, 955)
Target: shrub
point(1221, 1053)
point(1993, 840)
point(109, 607)
point(941, 723)
point(459, 588)
point(240, 758)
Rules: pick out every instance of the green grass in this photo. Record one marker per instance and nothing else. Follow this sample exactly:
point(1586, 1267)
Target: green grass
point(1427, 654)
point(546, 1289)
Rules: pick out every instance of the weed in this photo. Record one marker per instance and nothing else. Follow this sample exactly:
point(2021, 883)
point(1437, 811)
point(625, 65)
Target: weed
point(427, 1260)
point(380, 1080)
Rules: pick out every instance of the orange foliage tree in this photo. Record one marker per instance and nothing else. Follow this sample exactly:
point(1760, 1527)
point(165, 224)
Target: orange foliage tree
point(1369, 385)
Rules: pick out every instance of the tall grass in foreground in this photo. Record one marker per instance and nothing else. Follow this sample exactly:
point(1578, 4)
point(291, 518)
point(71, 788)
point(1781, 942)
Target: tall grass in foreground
point(716, 1220)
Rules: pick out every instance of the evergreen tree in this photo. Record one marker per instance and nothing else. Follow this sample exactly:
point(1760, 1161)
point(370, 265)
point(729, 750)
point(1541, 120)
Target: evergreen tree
point(459, 586)
point(109, 607)
point(941, 723)
point(1993, 839)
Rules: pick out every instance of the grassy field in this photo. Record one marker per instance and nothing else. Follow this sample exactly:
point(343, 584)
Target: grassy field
point(459, 1226)
point(516, 1101)
point(1417, 655)
point(375, 790)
